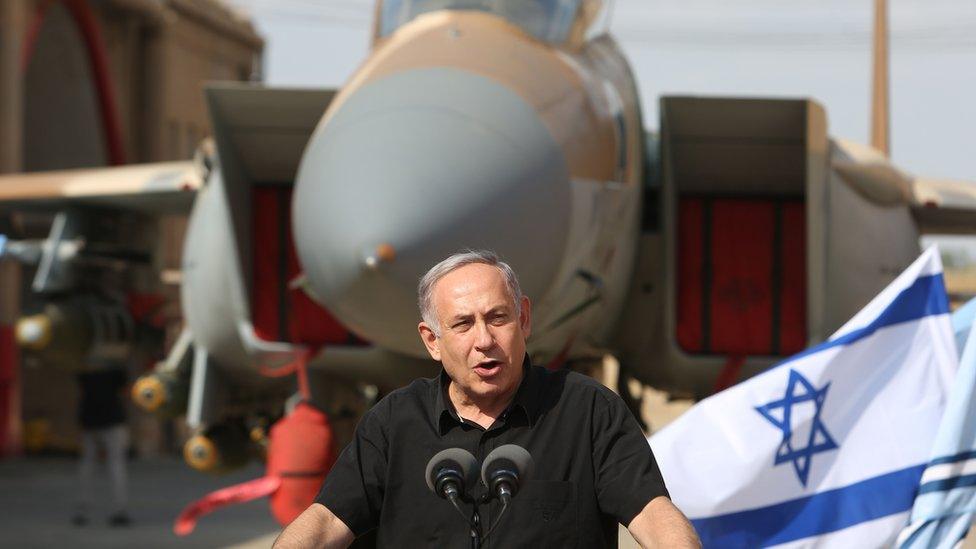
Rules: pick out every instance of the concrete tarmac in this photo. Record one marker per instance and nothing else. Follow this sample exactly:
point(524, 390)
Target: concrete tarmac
point(38, 498)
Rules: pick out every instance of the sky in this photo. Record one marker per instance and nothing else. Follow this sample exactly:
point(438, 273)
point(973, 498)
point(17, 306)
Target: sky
point(767, 48)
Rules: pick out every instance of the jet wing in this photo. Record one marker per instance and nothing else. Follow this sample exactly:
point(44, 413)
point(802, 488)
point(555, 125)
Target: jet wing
point(167, 187)
point(945, 206)
point(939, 206)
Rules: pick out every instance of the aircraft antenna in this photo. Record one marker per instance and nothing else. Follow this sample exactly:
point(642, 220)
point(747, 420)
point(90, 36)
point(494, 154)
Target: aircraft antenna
point(879, 91)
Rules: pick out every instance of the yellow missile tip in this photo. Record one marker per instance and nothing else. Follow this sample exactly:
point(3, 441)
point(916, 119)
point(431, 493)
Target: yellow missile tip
point(258, 435)
point(34, 332)
point(201, 453)
point(149, 393)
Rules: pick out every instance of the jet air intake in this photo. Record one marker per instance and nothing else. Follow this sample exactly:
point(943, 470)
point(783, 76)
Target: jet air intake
point(419, 165)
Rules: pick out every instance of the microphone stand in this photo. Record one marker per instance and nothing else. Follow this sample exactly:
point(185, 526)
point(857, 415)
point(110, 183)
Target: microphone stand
point(475, 523)
point(475, 528)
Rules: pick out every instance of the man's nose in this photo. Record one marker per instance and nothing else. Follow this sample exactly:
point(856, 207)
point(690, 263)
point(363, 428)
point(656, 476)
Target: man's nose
point(484, 339)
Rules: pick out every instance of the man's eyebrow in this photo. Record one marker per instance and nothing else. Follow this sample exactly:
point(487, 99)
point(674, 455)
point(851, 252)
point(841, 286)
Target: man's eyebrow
point(497, 309)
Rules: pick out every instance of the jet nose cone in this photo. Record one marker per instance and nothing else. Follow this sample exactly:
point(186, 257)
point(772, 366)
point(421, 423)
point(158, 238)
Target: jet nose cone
point(427, 162)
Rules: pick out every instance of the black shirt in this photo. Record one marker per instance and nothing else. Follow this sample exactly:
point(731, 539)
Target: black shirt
point(593, 466)
point(100, 404)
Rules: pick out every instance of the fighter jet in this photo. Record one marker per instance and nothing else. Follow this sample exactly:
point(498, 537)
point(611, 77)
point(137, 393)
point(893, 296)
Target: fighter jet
point(696, 256)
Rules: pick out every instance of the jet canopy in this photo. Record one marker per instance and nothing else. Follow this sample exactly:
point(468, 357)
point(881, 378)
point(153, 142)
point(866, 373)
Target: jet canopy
point(551, 21)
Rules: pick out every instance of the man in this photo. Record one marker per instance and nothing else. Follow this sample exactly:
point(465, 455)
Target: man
point(101, 414)
point(594, 467)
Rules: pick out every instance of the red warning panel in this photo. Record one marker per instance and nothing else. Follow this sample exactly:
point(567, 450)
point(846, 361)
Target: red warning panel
point(282, 313)
point(741, 285)
point(793, 288)
point(741, 266)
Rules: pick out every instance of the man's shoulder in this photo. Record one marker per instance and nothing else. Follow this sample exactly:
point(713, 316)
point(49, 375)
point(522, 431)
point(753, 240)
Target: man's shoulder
point(418, 391)
point(575, 385)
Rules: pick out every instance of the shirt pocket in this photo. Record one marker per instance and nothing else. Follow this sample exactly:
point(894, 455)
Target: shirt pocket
point(543, 514)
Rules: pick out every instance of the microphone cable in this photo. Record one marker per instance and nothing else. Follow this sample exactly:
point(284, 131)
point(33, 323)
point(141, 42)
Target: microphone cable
point(453, 498)
point(497, 521)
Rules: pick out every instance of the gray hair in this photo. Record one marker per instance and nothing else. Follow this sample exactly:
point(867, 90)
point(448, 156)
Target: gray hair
point(425, 291)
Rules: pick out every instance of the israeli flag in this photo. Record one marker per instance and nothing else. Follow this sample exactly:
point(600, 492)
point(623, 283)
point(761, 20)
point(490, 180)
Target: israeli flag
point(827, 447)
point(946, 503)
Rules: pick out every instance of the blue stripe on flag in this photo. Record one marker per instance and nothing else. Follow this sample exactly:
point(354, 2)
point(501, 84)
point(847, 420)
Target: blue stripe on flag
point(813, 515)
point(945, 484)
point(954, 458)
point(925, 297)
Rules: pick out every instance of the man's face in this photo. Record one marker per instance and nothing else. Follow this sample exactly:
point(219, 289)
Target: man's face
point(482, 341)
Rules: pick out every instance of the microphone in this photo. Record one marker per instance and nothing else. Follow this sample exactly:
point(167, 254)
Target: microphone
point(505, 469)
point(450, 472)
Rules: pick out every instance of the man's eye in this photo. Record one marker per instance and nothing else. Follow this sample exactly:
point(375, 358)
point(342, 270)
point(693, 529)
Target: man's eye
point(499, 320)
point(463, 325)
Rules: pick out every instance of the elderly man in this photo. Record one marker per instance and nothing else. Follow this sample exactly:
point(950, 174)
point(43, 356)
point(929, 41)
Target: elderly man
point(593, 469)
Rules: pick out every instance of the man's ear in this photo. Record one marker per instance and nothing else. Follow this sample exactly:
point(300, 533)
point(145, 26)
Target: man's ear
point(525, 316)
point(431, 342)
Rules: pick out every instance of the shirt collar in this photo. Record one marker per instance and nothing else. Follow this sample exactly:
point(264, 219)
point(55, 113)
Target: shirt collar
point(526, 398)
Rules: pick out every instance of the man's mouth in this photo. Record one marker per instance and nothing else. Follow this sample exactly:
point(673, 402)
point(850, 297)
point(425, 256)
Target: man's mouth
point(488, 368)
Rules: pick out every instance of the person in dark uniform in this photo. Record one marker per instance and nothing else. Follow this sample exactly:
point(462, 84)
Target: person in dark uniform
point(101, 413)
point(593, 465)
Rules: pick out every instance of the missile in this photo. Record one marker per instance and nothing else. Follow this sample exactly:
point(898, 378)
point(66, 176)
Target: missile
point(220, 448)
point(72, 334)
point(161, 393)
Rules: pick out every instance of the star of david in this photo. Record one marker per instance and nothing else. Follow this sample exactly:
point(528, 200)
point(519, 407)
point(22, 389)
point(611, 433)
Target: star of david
point(799, 390)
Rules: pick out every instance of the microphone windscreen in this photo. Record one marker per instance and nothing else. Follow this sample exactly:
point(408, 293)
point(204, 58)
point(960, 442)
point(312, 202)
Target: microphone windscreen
point(510, 457)
point(457, 459)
